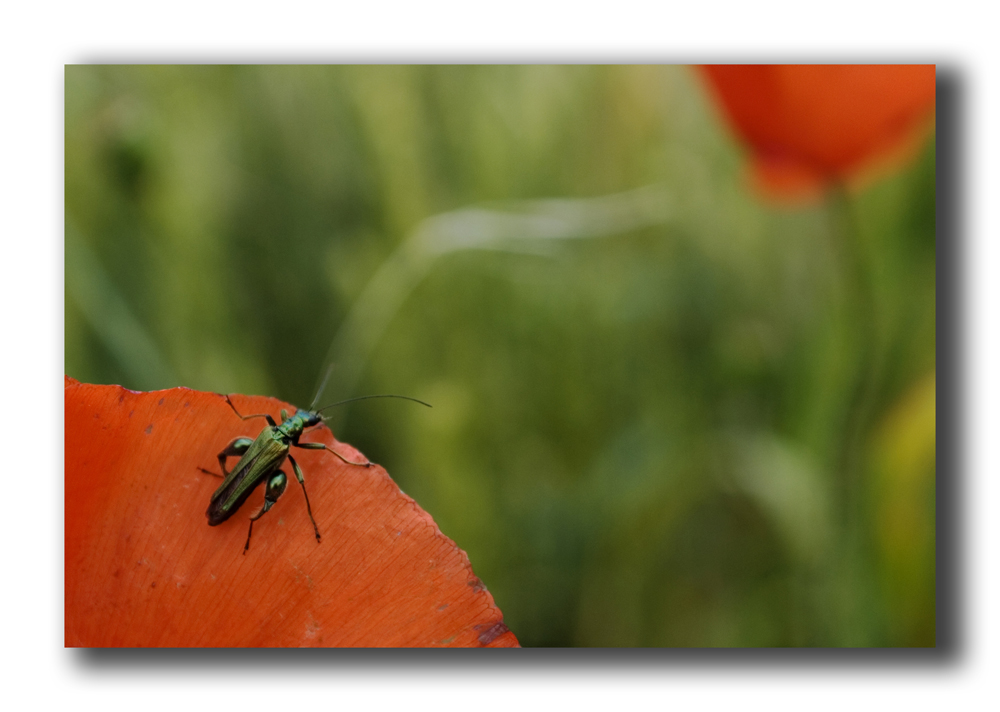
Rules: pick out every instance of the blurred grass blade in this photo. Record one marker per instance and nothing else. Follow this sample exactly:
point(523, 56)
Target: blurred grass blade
point(109, 316)
point(522, 227)
point(789, 490)
point(555, 219)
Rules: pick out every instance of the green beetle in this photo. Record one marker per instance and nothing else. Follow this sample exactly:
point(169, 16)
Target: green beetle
point(261, 459)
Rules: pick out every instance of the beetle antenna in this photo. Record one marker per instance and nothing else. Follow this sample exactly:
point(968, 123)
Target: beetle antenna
point(386, 395)
point(322, 385)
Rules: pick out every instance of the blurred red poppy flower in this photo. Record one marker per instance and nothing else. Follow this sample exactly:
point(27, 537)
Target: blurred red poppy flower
point(143, 568)
point(808, 126)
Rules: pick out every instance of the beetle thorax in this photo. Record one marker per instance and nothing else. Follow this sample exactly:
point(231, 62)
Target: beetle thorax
point(298, 422)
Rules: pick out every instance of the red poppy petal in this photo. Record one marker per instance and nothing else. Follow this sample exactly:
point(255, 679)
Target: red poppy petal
point(143, 568)
point(813, 124)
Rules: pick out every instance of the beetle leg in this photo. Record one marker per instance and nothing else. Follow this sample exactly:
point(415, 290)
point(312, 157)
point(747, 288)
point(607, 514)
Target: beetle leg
point(324, 446)
point(275, 486)
point(270, 420)
point(236, 448)
point(298, 475)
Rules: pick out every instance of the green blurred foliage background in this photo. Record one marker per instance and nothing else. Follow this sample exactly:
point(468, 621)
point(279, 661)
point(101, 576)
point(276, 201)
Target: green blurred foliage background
point(665, 412)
